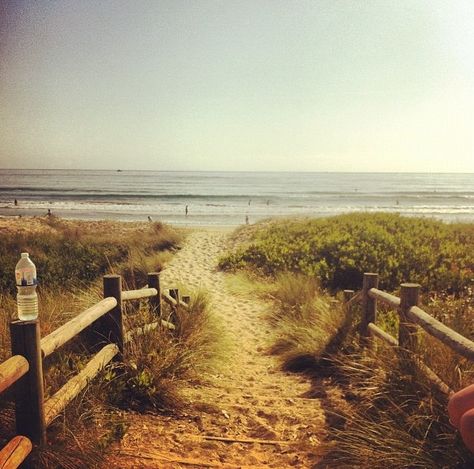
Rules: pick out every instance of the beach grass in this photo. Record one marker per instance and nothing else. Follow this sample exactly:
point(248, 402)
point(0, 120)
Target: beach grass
point(71, 257)
point(386, 417)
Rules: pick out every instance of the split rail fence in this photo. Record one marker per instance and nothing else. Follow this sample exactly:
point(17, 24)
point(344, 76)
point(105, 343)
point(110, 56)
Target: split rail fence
point(103, 325)
point(410, 317)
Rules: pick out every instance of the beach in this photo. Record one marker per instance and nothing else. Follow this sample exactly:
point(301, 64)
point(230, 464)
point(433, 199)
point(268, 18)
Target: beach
point(249, 410)
point(193, 199)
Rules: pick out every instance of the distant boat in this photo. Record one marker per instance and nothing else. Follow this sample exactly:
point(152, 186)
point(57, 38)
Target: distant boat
point(119, 170)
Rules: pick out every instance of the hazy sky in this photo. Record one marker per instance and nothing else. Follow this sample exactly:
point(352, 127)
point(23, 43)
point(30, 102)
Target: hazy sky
point(362, 85)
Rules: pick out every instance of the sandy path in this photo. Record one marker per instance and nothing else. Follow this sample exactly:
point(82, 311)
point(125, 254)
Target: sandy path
point(250, 399)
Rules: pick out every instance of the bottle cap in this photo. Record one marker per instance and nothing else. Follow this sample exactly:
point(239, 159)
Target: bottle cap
point(24, 254)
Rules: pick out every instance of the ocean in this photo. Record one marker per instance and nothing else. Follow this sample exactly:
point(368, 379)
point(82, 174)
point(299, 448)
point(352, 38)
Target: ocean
point(232, 198)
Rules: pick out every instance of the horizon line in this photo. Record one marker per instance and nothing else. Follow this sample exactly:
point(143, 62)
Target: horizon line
point(235, 171)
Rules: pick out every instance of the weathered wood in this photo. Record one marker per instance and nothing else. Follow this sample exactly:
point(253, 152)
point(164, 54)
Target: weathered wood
point(385, 297)
point(111, 326)
point(29, 395)
point(168, 325)
point(68, 331)
point(432, 377)
point(139, 294)
point(174, 293)
point(369, 305)
point(407, 332)
point(155, 301)
point(55, 404)
point(12, 370)
point(447, 336)
point(186, 299)
point(356, 298)
point(15, 452)
point(381, 334)
point(429, 374)
point(348, 294)
point(183, 304)
point(138, 331)
point(168, 299)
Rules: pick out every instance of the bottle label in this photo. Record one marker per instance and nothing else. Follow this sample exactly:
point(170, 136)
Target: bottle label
point(25, 277)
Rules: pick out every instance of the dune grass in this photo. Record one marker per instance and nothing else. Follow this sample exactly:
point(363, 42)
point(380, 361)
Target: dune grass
point(156, 365)
point(386, 417)
point(74, 253)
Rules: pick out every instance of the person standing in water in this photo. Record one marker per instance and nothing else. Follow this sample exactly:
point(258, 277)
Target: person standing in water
point(186, 211)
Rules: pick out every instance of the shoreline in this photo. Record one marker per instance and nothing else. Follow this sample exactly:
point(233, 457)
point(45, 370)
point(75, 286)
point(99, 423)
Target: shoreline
point(14, 224)
point(199, 222)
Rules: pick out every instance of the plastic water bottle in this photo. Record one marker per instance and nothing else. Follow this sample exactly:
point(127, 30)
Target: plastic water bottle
point(27, 299)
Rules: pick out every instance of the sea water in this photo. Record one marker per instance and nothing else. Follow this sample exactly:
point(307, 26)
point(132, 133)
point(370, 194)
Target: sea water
point(228, 198)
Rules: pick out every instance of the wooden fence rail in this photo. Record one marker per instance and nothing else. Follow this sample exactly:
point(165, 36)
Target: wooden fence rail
point(15, 452)
point(411, 316)
point(104, 321)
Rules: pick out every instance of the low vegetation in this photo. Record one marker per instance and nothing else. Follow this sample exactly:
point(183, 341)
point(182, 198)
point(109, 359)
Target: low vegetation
point(70, 258)
point(160, 362)
point(338, 250)
point(77, 253)
point(378, 415)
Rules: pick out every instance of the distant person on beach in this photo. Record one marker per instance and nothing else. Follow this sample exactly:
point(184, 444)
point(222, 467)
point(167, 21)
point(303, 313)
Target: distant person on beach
point(246, 219)
point(49, 214)
point(16, 203)
point(149, 218)
point(250, 201)
point(186, 211)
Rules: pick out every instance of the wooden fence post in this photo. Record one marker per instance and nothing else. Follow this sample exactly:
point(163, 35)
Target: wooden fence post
point(112, 324)
point(369, 305)
point(174, 293)
point(407, 336)
point(155, 301)
point(29, 390)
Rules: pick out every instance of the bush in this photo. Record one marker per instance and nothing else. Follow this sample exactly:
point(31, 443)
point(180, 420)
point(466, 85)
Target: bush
point(338, 250)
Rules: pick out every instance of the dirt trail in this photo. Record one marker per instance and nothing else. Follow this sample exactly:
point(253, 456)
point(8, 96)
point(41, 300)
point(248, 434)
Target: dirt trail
point(250, 399)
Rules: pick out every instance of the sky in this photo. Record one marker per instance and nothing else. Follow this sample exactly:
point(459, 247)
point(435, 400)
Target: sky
point(264, 85)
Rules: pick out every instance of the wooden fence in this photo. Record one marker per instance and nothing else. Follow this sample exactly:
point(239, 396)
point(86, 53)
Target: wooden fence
point(410, 317)
point(103, 323)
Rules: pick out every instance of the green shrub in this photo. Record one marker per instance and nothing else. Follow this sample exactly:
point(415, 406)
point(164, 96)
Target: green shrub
point(338, 250)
